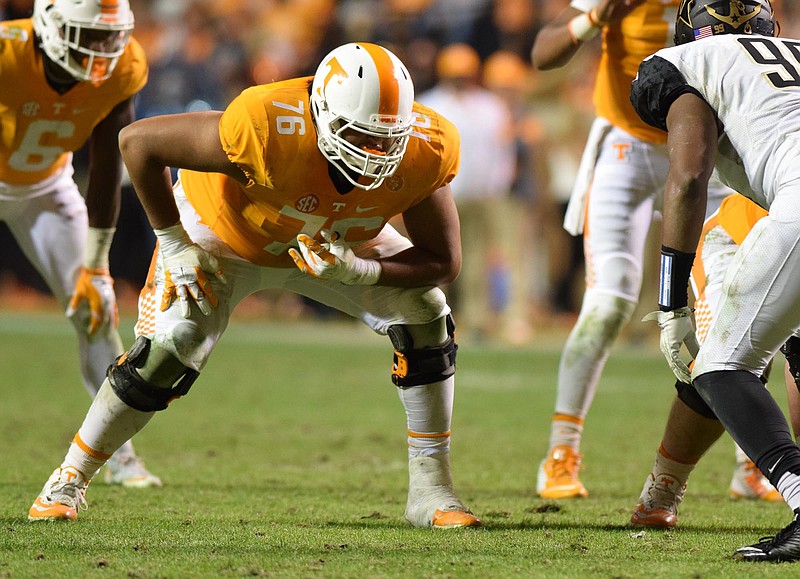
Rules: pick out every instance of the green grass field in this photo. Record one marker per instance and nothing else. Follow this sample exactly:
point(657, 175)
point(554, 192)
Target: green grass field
point(288, 459)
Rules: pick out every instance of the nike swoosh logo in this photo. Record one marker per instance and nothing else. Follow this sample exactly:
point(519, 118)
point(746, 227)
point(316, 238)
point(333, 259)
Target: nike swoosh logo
point(38, 507)
point(360, 209)
point(769, 470)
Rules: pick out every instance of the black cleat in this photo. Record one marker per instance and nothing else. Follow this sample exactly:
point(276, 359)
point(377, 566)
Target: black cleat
point(785, 546)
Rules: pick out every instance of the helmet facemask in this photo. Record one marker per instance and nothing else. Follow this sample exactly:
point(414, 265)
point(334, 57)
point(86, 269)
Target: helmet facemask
point(362, 160)
point(362, 112)
point(84, 37)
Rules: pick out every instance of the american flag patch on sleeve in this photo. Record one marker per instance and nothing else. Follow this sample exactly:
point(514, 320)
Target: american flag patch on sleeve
point(703, 32)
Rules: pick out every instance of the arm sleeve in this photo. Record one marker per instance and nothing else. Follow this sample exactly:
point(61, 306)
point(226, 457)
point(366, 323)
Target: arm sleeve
point(656, 86)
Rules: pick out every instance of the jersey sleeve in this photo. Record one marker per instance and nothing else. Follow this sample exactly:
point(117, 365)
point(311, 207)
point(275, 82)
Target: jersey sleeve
point(656, 86)
point(133, 67)
point(450, 155)
point(243, 132)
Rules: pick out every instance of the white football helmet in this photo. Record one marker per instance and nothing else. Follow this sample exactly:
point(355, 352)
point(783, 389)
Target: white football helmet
point(84, 37)
point(362, 88)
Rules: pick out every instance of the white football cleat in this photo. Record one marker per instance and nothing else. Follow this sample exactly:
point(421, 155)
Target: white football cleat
point(749, 483)
point(61, 498)
point(130, 472)
point(432, 503)
point(658, 503)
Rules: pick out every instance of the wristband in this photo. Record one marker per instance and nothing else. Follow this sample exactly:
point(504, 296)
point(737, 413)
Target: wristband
point(584, 27)
point(365, 272)
point(173, 240)
point(676, 266)
point(98, 244)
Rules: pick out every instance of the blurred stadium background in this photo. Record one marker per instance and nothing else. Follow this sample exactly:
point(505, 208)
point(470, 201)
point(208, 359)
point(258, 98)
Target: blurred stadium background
point(202, 53)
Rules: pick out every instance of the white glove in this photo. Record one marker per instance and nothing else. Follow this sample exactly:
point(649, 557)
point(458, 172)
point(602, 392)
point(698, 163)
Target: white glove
point(334, 260)
point(677, 328)
point(185, 267)
point(95, 287)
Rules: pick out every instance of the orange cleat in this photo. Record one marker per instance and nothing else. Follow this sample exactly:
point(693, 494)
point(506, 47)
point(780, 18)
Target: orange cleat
point(558, 475)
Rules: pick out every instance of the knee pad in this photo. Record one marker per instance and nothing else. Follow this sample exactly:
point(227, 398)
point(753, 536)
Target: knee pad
point(619, 274)
point(791, 349)
point(418, 366)
point(693, 400)
point(170, 378)
point(604, 314)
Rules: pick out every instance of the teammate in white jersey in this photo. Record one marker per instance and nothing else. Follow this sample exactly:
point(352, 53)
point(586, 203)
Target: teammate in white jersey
point(618, 189)
point(68, 77)
point(729, 97)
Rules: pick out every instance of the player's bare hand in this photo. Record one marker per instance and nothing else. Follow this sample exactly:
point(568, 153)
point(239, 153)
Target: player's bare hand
point(677, 328)
point(94, 291)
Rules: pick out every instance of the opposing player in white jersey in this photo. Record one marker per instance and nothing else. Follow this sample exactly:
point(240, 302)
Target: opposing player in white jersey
point(618, 189)
point(67, 77)
point(729, 97)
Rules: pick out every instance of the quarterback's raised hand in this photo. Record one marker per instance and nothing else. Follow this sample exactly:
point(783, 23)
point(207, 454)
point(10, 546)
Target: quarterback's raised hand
point(677, 328)
point(95, 290)
point(334, 260)
point(185, 267)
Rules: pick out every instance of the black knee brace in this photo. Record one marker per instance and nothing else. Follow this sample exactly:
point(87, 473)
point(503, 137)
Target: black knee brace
point(418, 366)
point(791, 349)
point(693, 400)
point(137, 392)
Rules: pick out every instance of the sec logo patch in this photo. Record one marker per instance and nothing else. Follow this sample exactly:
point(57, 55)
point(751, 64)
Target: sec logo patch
point(307, 204)
point(395, 183)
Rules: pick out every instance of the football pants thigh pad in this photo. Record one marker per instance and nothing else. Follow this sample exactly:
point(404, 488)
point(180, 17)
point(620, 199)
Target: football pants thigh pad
point(618, 274)
point(148, 378)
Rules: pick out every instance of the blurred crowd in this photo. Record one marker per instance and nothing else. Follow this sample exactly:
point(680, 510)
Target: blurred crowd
point(202, 53)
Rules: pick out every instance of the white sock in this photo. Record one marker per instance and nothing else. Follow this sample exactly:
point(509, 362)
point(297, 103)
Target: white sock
point(429, 410)
point(566, 430)
point(110, 423)
point(741, 457)
point(789, 487)
point(665, 464)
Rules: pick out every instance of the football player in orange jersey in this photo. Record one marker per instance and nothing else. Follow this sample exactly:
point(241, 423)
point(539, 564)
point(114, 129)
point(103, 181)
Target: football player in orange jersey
point(67, 77)
point(292, 186)
point(617, 191)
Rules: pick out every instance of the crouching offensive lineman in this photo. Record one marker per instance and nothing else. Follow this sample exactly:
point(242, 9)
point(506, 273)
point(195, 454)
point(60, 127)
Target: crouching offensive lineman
point(292, 187)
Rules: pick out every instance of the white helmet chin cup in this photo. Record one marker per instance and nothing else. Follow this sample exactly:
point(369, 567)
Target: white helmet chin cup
point(364, 88)
point(84, 37)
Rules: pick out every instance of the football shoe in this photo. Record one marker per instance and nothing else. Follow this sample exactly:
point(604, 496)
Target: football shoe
point(658, 503)
point(785, 546)
point(63, 495)
point(749, 483)
point(432, 502)
point(558, 475)
point(129, 471)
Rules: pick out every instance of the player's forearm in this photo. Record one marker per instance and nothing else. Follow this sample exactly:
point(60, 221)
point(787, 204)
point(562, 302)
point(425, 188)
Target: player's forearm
point(684, 212)
point(556, 43)
point(416, 267)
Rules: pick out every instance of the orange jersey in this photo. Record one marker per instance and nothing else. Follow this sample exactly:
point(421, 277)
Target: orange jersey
point(736, 215)
point(268, 133)
point(39, 127)
point(626, 43)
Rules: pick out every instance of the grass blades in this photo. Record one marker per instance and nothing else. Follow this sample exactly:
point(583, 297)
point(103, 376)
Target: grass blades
point(288, 459)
